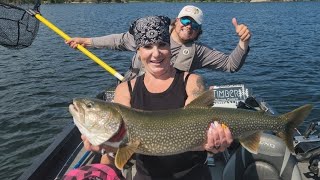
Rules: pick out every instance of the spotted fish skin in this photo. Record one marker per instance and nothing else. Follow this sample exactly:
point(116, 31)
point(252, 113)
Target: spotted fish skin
point(168, 132)
point(176, 131)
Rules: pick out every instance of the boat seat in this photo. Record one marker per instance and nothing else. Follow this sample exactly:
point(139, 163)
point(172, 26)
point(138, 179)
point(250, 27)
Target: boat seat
point(273, 161)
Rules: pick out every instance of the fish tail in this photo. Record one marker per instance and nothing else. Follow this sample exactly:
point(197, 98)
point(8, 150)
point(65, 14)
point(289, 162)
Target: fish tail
point(293, 119)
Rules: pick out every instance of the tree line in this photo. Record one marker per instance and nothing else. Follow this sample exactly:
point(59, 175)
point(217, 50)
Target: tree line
point(19, 1)
point(54, 1)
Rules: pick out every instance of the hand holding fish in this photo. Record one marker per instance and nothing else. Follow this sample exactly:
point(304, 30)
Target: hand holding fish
point(219, 138)
point(89, 147)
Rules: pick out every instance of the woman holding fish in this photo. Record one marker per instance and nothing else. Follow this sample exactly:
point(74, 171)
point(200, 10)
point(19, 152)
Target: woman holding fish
point(163, 87)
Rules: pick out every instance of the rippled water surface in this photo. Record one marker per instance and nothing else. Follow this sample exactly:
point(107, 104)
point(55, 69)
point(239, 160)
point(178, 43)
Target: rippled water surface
point(38, 83)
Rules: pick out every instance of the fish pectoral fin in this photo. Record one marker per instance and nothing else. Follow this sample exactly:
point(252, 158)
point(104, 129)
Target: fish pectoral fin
point(124, 153)
point(251, 142)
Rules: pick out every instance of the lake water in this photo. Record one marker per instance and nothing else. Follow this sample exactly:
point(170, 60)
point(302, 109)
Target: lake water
point(37, 83)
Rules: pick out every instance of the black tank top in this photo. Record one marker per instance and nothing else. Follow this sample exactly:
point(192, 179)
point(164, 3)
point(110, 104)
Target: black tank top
point(188, 165)
point(174, 97)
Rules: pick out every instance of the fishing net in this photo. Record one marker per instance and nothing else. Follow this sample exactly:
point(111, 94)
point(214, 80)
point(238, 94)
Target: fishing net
point(18, 28)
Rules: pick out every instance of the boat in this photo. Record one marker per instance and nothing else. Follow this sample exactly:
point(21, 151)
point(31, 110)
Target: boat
point(273, 161)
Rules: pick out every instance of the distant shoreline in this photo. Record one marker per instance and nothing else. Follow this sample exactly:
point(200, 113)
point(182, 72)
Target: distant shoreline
point(14, 2)
point(198, 1)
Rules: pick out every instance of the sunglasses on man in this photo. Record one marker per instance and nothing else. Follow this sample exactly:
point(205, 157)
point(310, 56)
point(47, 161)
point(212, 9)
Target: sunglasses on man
point(185, 21)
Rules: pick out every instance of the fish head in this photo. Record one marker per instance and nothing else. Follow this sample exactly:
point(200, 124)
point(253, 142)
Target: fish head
point(96, 119)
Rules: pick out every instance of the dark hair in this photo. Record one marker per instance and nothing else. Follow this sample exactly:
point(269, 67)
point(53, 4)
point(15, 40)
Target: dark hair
point(173, 26)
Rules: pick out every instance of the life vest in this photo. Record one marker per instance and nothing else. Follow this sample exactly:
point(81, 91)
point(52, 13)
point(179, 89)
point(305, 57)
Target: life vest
point(184, 59)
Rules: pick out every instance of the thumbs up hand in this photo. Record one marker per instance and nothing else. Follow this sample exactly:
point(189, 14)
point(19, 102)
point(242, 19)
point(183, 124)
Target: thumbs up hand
point(242, 31)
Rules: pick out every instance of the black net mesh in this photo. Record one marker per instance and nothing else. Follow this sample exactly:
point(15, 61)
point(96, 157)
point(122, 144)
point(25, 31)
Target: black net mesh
point(17, 27)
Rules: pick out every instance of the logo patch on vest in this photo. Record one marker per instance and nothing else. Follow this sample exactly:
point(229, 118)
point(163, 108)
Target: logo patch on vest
point(185, 52)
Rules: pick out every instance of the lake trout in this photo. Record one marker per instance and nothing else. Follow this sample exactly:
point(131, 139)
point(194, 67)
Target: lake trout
point(168, 132)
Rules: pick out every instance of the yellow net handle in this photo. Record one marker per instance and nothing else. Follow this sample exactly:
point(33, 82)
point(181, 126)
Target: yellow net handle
point(79, 47)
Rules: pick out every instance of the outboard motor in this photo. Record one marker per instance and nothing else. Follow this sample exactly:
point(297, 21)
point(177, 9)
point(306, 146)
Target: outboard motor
point(307, 149)
point(273, 161)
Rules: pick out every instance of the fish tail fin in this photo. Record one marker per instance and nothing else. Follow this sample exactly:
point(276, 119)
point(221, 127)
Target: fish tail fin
point(294, 119)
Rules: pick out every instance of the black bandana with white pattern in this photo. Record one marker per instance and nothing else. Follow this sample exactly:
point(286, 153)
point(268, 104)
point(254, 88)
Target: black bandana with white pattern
point(150, 30)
